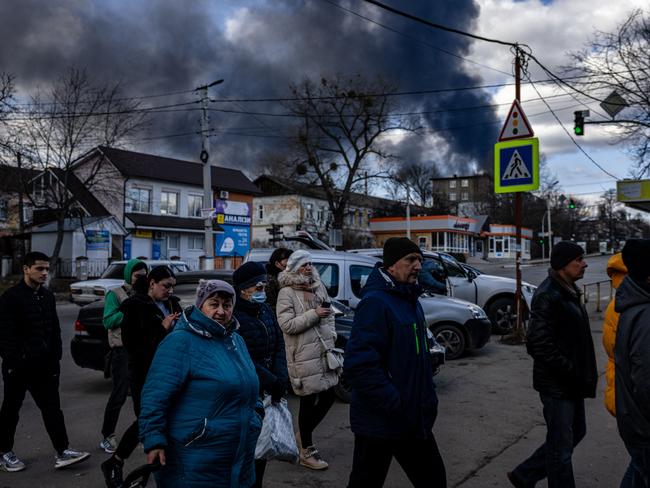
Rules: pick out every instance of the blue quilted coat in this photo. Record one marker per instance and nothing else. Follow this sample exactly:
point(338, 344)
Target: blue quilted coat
point(198, 404)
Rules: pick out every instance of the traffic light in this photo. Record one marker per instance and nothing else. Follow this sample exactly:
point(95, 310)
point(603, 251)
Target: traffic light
point(579, 123)
point(572, 204)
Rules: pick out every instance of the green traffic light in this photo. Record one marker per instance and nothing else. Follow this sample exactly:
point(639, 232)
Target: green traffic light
point(578, 131)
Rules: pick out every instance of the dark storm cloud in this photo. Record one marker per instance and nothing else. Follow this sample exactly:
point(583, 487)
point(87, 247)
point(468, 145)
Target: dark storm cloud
point(166, 45)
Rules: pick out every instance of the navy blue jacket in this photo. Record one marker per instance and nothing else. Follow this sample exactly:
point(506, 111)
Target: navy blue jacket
point(387, 363)
point(263, 336)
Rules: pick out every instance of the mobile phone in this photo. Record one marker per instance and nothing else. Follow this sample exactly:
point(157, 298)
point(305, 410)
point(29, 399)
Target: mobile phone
point(326, 304)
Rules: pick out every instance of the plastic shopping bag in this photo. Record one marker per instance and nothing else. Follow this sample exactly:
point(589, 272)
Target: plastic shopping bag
point(277, 440)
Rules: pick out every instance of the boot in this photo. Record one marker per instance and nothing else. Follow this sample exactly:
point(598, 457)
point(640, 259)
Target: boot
point(310, 458)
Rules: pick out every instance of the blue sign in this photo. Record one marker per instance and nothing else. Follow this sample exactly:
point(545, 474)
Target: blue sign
point(97, 240)
point(127, 248)
point(516, 166)
point(156, 244)
point(234, 241)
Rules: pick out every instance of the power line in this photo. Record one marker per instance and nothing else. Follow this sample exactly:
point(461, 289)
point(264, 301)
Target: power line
point(569, 134)
point(391, 29)
point(439, 26)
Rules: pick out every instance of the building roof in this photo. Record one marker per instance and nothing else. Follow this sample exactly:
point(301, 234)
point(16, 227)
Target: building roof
point(270, 185)
point(148, 221)
point(142, 165)
point(14, 179)
point(83, 195)
point(72, 224)
point(463, 177)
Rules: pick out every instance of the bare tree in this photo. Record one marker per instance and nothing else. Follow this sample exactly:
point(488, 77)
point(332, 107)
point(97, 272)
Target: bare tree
point(619, 61)
point(78, 115)
point(418, 178)
point(338, 144)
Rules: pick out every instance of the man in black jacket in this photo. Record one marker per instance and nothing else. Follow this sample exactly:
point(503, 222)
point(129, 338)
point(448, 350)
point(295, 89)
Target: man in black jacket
point(632, 358)
point(564, 369)
point(30, 347)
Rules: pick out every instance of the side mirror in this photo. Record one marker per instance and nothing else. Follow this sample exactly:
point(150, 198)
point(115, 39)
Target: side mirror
point(471, 276)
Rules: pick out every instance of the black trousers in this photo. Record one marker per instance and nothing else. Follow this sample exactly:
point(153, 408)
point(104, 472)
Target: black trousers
point(43, 385)
point(313, 409)
point(419, 458)
point(120, 378)
point(130, 439)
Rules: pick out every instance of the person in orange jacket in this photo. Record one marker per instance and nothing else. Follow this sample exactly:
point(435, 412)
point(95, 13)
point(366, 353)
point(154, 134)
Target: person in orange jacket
point(617, 271)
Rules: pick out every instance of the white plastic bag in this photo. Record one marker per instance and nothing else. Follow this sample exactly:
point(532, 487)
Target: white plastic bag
point(277, 440)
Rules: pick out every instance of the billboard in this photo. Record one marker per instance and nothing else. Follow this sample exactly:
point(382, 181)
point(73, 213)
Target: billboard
point(233, 241)
point(97, 240)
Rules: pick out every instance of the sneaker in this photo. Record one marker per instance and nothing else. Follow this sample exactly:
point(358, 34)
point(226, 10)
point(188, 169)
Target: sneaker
point(10, 463)
point(310, 458)
point(109, 444)
point(516, 481)
point(112, 470)
point(70, 456)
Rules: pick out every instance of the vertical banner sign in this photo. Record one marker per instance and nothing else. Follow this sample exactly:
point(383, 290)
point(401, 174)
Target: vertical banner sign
point(156, 245)
point(233, 241)
point(127, 248)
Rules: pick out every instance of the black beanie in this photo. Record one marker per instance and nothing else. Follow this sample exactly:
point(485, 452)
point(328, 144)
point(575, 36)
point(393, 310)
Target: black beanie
point(396, 248)
point(563, 253)
point(248, 274)
point(636, 257)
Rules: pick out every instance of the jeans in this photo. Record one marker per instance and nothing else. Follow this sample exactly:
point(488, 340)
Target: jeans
point(131, 438)
point(419, 458)
point(43, 385)
point(565, 428)
point(120, 377)
point(638, 471)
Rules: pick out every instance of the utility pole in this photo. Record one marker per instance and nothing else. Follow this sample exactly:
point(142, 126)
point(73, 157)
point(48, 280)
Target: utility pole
point(207, 176)
point(550, 231)
point(408, 212)
point(21, 206)
point(519, 331)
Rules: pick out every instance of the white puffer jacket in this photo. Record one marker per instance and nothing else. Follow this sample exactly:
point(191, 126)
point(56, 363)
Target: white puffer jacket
point(306, 355)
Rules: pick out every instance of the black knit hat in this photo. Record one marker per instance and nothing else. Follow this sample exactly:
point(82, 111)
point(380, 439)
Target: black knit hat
point(248, 274)
point(396, 248)
point(563, 253)
point(636, 257)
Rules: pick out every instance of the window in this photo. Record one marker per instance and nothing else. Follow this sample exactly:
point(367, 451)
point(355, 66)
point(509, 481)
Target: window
point(309, 211)
point(498, 245)
point(195, 243)
point(139, 200)
point(452, 197)
point(360, 218)
point(329, 275)
point(3, 209)
point(452, 183)
point(321, 214)
point(260, 212)
point(194, 206)
point(464, 183)
point(422, 242)
point(168, 203)
point(28, 213)
point(358, 277)
point(452, 266)
point(172, 241)
point(464, 196)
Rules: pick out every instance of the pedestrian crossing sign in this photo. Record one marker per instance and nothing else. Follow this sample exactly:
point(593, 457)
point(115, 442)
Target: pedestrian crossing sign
point(516, 165)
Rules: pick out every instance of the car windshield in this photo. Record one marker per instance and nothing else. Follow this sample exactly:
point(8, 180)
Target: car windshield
point(452, 266)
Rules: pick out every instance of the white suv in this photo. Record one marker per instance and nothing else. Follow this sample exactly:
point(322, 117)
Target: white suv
point(84, 292)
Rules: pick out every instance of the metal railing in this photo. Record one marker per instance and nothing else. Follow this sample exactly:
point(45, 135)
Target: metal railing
point(598, 298)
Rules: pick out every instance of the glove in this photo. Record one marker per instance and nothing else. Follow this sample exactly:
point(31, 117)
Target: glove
point(277, 391)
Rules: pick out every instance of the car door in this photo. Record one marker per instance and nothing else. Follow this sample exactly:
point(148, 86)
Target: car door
point(330, 274)
point(461, 286)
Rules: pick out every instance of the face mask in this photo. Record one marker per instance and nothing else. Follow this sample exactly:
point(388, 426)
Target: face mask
point(258, 297)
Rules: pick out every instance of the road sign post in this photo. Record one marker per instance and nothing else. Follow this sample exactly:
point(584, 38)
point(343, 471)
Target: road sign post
point(516, 165)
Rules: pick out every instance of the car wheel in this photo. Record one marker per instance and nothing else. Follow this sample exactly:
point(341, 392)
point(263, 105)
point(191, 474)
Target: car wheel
point(343, 390)
point(452, 338)
point(503, 316)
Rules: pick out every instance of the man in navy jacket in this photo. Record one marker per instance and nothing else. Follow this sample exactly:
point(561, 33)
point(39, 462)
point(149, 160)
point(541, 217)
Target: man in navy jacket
point(387, 364)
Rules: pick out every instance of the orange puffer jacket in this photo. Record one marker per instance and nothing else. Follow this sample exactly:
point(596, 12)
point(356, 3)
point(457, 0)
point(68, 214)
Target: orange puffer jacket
point(616, 270)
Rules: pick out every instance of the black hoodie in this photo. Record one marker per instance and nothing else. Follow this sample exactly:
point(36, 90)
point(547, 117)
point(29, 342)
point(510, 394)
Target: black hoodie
point(632, 357)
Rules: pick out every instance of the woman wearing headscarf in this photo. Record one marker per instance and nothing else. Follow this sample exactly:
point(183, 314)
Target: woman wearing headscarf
point(148, 316)
point(307, 322)
point(200, 415)
point(259, 328)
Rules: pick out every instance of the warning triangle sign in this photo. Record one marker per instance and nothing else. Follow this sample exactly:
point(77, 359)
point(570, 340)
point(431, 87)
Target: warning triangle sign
point(516, 168)
point(517, 125)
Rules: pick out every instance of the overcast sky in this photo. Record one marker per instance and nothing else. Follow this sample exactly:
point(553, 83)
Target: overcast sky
point(261, 47)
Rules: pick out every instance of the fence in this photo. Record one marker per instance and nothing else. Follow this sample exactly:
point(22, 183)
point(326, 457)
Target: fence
point(66, 268)
point(599, 293)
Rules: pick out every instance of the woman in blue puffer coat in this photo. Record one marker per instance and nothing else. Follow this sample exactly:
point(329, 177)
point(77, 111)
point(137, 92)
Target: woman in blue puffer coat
point(200, 415)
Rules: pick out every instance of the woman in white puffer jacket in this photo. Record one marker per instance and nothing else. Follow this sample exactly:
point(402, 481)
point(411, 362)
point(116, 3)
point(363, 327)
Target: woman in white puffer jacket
point(305, 321)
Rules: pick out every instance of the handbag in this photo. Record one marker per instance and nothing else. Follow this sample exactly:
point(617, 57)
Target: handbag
point(333, 355)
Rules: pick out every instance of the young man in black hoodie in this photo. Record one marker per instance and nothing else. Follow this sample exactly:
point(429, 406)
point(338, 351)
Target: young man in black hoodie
point(30, 346)
point(564, 369)
point(632, 358)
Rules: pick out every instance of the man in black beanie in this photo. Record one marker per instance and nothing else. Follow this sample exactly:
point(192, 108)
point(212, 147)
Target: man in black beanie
point(387, 364)
point(632, 359)
point(564, 368)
